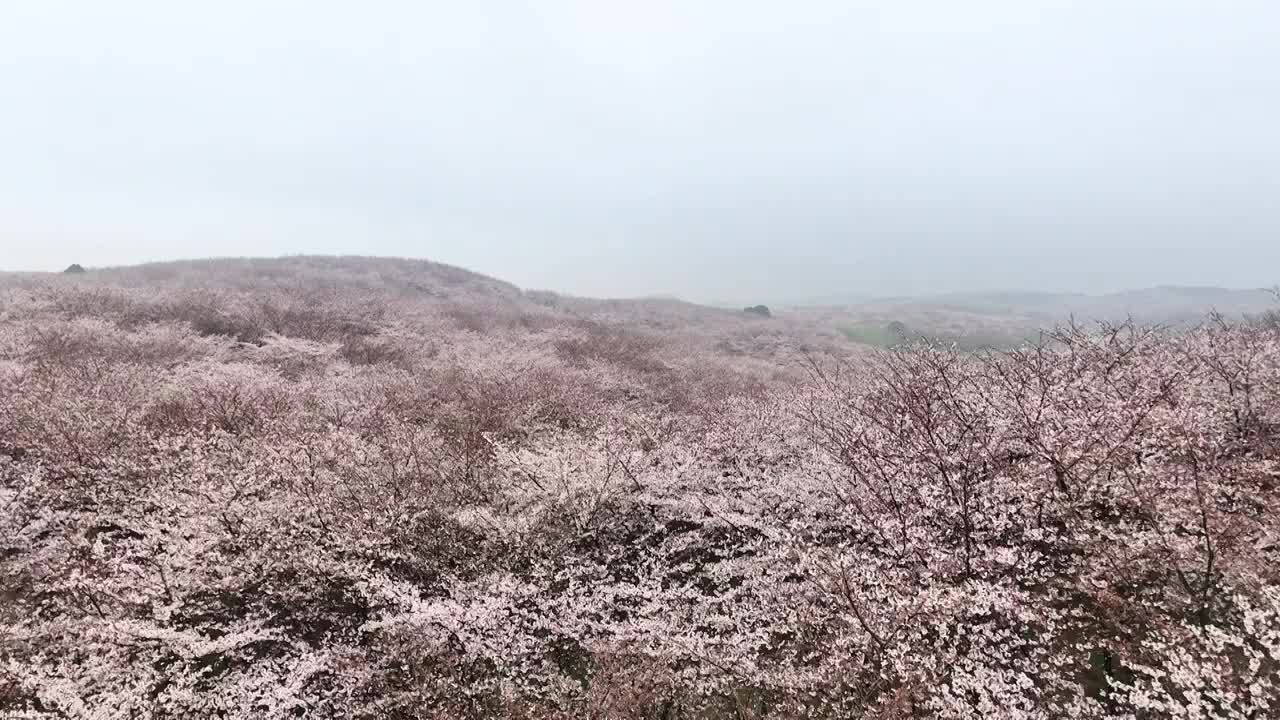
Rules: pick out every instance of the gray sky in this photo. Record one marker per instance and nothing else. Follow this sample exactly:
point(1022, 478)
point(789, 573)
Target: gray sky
point(716, 149)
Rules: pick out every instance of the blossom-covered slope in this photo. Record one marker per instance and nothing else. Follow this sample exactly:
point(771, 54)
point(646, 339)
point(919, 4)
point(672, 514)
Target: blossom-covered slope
point(359, 488)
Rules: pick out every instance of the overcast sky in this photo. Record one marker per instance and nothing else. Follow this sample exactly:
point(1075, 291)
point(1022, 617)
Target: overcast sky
point(715, 149)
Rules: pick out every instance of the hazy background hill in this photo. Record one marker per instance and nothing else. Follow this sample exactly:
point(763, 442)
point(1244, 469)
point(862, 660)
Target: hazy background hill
point(1162, 304)
point(1004, 318)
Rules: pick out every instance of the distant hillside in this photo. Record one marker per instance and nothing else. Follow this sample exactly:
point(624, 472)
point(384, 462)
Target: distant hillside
point(998, 319)
point(972, 319)
point(1169, 304)
point(245, 293)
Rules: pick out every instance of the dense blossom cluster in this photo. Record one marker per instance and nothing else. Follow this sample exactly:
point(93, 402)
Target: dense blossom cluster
point(356, 497)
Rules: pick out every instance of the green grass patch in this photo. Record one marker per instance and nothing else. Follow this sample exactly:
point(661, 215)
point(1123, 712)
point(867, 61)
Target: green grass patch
point(872, 335)
point(884, 337)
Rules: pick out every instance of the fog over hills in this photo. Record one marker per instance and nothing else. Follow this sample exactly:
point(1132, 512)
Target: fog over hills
point(1163, 303)
point(1160, 303)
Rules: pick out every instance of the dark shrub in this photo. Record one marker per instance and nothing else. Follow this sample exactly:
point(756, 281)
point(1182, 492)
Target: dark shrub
point(363, 350)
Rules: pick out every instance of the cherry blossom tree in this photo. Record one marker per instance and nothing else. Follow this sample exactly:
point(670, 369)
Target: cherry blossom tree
point(368, 492)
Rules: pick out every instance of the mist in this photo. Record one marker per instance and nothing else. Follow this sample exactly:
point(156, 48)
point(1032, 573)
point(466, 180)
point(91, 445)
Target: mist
point(719, 151)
